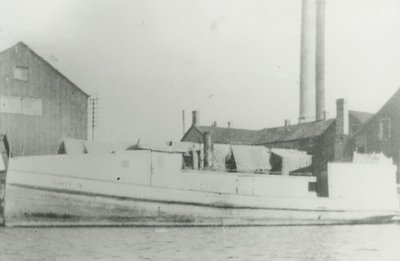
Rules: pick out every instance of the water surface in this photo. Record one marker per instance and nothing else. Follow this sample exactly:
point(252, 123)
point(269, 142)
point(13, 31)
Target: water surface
point(361, 242)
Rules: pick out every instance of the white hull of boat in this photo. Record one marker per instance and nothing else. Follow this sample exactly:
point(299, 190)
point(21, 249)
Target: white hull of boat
point(41, 195)
point(41, 206)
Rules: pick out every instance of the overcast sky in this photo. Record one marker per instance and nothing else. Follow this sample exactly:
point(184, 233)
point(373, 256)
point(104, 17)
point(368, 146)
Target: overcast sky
point(147, 60)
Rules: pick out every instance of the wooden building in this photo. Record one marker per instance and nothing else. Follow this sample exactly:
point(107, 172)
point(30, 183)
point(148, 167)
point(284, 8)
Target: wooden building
point(308, 136)
point(39, 106)
point(381, 133)
point(326, 140)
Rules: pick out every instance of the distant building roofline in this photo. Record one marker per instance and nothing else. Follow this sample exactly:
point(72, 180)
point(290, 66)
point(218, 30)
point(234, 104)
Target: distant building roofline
point(397, 93)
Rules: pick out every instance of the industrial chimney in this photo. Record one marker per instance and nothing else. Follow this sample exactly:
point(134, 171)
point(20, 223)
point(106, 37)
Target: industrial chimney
point(195, 118)
point(307, 61)
point(320, 61)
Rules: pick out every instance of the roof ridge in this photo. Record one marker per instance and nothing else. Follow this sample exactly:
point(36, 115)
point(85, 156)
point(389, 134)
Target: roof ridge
point(48, 63)
point(396, 93)
point(293, 132)
point(361, 111)
point(299, 124)
point(228, 128)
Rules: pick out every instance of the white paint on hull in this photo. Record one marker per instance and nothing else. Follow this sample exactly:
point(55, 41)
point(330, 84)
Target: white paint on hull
point(41, 207)
point(41, 192)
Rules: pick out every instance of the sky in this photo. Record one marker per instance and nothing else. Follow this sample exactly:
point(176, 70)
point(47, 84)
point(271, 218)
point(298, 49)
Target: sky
point(238, 61)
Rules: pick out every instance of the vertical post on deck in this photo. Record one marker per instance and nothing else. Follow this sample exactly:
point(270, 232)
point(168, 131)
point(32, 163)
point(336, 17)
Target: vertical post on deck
point(208, 150)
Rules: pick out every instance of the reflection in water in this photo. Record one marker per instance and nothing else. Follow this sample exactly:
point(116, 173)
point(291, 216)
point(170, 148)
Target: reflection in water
point(363, 242)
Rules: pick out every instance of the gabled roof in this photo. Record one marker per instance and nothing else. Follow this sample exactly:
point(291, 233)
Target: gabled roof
point(271, 135)
point(293, 132)
point(394, 100)
point(229, 135)
point(46, 62)
point(268, 135)
point(361, 116)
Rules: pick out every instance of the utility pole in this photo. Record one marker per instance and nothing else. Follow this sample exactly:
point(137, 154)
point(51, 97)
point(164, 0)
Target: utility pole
point(183, 122)
point(93, 101)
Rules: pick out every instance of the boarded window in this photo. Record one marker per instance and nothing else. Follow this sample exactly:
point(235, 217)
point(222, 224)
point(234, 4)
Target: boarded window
point(21, 73)
point(31, 106)
point(384, 129)
point(10, 104)
point(24, 105)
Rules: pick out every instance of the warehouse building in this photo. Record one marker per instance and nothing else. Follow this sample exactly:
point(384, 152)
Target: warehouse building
point(381, 133)
point(39, 106)
point(324, 139)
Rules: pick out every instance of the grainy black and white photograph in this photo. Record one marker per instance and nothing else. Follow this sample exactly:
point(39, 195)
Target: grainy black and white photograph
point(199, 130)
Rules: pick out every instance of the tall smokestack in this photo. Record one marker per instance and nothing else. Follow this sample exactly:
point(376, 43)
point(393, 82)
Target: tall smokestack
point(320, 61)
point(307, 63)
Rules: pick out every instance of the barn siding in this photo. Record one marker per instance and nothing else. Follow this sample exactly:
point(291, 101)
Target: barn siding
point(64, 106)
point(370, 132)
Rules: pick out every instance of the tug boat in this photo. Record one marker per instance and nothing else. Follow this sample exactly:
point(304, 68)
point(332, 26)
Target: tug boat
point(152, 187)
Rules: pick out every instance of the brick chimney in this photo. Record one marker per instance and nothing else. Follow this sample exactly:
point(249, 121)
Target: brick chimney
point(341, 129)
point(195, 118)
point(208, 150)
point(342, 117)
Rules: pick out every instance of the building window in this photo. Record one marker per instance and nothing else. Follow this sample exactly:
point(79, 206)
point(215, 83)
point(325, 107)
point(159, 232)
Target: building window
point(361, 144)
point(21, 73)
point(10, 104)
point(21, 105)
point(384, 129)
